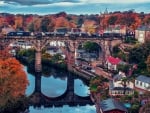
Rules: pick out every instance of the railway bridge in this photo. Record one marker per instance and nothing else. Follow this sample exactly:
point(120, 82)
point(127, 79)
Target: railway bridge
point(70, 46)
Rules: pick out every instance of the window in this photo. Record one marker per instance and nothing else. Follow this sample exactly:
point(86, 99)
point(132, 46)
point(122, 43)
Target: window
point(145, 85)
point(140, 83)
point(137, 82)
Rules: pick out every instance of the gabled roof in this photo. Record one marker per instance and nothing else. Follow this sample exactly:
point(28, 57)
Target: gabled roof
point(143, 79)
point(119, 76)
point(113, 60)
point(111, 104)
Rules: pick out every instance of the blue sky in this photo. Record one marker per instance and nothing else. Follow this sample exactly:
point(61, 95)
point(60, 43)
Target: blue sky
point(72, 6)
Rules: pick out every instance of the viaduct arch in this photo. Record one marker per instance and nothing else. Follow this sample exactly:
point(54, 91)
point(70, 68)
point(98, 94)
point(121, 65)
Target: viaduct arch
point(71, 46)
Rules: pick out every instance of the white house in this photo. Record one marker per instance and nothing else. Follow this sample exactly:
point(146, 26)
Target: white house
point(142, 83)
point(6, 30)
point(116, 87)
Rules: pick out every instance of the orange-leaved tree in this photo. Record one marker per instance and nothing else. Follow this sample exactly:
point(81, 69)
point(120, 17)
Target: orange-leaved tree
point(13, 81)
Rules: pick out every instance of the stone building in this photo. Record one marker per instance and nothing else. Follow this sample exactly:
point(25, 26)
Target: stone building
point(142, 34)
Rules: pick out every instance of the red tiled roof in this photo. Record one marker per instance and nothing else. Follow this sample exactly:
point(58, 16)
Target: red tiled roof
point(113, 60)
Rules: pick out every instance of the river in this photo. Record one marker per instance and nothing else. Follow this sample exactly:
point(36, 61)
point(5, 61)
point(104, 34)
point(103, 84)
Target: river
point(54, 85)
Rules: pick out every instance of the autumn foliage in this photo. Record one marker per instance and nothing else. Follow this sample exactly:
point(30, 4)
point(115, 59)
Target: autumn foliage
point(13, 81)
point(49, 23)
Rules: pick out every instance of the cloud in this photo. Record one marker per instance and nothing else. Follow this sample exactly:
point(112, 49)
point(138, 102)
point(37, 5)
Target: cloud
point(37, 2)
point(114, 1)
point(66, 2)
point(61, 4)
point(2, 3)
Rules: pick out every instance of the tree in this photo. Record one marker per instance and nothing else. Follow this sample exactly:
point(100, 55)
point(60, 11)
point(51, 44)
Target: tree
point(139, 56)
point(47, 24)
point(57, 58)
point(18, 22)
point(80, 21)
point(37, 24)
point(146, 108)
point(148, 63)
point(4, 54)
point(61, 22)
point(91, 46)
point(31, 27)
point(13, 82)
point(124, 82)
point(112, 20)
point(123, 67)
point(97, 90)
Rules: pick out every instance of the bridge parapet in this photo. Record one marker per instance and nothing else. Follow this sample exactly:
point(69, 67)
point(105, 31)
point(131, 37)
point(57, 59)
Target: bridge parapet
point(106, 44)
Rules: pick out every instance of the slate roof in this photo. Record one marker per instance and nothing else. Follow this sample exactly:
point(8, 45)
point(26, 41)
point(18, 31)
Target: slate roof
point(143, 79)
point(111, 104)
point(111, 87)
point(118, 77)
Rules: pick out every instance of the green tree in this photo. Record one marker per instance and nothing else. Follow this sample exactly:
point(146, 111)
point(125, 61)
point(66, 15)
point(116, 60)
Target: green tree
point(116, 49)
point(148, 63)
point(80, 21)
point(123, 67)
point(97, 90)
point(47, 24)
point(139, 56)
point(57, 58)
point(31, 27)
point(112, 20)
point(124, 82)
point(44, 24)
point(91, 46)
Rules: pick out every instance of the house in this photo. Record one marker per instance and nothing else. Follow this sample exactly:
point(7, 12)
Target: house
point(130, 33)
point(120, 29)
point(86, 56)
point(112, 106)
point(6, 30)
point(142, 83)
point(142, 34)
point(112, 63)
point(116, 87)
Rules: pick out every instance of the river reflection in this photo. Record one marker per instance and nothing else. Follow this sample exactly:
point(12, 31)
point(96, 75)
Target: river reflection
point(31, 86)
point(55, 85)
point(64, 109)
point(80, 88)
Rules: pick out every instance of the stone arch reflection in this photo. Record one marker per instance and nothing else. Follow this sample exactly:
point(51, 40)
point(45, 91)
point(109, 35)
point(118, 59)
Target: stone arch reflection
point(68, 97)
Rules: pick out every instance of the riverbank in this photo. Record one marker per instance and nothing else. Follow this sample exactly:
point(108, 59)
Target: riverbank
point(46, 64)
point(82, 73)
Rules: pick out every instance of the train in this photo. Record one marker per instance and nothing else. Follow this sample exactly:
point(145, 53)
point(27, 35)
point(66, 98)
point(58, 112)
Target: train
point(64, 32)
point(19, 33)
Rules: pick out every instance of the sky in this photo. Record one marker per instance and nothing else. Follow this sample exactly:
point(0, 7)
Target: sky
point(43, 7)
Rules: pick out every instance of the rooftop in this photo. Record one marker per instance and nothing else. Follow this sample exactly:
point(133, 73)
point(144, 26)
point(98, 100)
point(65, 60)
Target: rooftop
point(113, 60)
point(111, 104)
point(143, 79)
